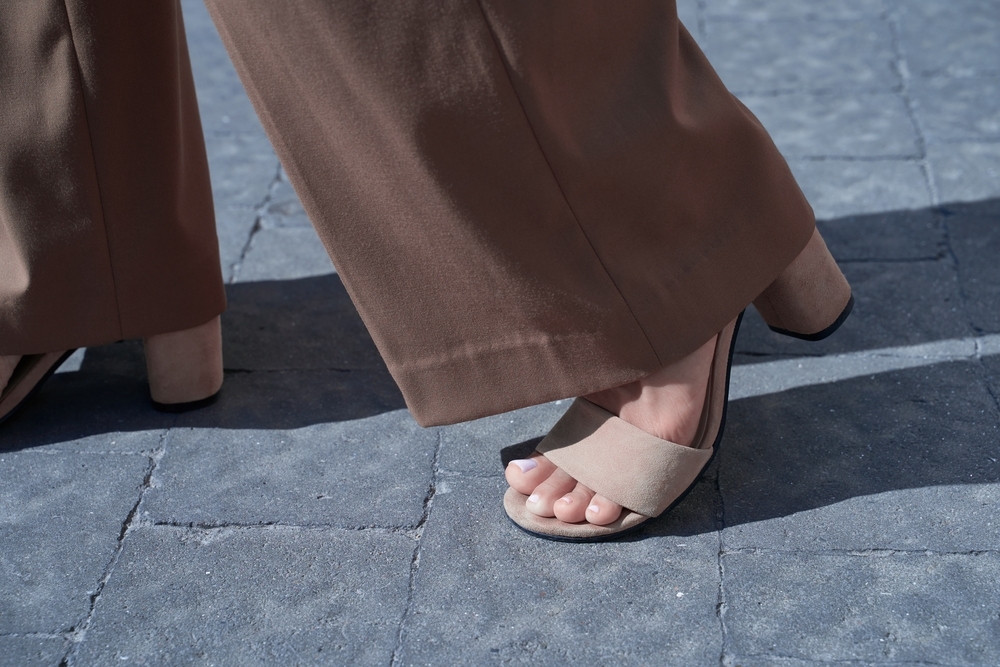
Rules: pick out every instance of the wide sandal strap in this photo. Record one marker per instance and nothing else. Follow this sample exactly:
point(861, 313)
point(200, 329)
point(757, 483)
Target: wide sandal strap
point(620, 461)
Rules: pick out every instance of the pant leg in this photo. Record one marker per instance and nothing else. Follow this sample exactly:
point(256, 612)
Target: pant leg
point(526, 200)
point(107, 227)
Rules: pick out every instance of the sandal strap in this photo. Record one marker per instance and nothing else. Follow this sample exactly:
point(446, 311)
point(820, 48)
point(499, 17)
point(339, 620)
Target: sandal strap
point(620, 461)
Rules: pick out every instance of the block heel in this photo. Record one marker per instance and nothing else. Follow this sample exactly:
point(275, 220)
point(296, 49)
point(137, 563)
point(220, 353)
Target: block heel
point(811, 298)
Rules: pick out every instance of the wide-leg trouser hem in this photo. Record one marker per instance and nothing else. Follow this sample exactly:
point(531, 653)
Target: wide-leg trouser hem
point(107, 227)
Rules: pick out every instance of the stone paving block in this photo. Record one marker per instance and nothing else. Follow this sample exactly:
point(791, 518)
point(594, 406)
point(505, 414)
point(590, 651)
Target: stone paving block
point(966, 172)
point(792, 54)
point(284, 208)
point(488, 594)
point(374, 471)
point(896, 303)
point(974, 230)
point(307, 323)
point(252, 597)
point(902, 460)
point(837, 125)
point(893, 235)
point(29, 651)
point(839, 188)
point(293, 399)
point(284, 254)
point(222, 100)
point(88, 412)
point(475, 447)
point(687, 12)
point(894, 608)
point(958, 109)
point(957, 38)
point(764, 10)
point(60, 517)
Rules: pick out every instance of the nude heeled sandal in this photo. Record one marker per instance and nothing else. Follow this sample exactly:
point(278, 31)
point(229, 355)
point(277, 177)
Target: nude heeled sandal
point(811, 298)
point(644, 474)
point(28, 377)
point(185, 367)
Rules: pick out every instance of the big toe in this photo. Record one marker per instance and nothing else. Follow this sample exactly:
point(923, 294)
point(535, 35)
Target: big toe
point(524, 475)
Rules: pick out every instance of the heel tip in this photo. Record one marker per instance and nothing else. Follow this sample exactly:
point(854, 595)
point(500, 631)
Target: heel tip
point(819, 335)
point(175, 408)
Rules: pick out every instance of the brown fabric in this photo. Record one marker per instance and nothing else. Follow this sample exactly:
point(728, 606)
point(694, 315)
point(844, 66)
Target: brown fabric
point(620, 461)
point(107, 227)
point(525, 200)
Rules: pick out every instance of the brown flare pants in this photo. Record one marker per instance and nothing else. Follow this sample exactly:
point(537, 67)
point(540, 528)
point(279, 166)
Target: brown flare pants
point(526, 200)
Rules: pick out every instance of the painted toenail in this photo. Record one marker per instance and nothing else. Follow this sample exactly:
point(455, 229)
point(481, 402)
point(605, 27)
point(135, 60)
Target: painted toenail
point(594, 508)
point(533, 498)
point(525, 464)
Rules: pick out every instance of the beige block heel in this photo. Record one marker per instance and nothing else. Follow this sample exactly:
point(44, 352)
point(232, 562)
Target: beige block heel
point(811, 298)
point(185, 367)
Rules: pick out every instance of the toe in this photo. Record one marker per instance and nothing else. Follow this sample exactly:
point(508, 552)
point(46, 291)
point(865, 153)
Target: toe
point(602, 511)
point(524, 475)
point(545, 495)
point(572, 507)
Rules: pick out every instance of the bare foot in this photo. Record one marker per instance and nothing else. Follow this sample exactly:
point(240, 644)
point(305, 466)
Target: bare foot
point(667, 404)
point(7, 365)
point(186, 365)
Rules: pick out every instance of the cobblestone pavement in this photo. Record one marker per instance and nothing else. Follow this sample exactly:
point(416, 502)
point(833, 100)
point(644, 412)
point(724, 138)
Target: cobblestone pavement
point(850, 518)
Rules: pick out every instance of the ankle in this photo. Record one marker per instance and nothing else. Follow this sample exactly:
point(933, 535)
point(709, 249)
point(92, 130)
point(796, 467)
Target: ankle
point(669, 402)
point(185, 366)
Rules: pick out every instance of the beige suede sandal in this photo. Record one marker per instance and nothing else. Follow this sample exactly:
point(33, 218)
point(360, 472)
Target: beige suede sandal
point(811, 298)
point(28, 377)
point(642, 473)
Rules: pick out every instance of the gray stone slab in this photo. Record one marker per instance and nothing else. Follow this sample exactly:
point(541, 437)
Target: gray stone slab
point(243, 168)
point(60, 517)
point(896, 303)
point(974, 230)
point(488, 594)
point(370, 472)
point(764, 10)
point(967, 171)
point(252, 597)
point(895, 608)
point(792, 54)
point(307, 323)
point(293, 399)
point(687, 12)
point(284, 208)
point(88, 412)
point(837, 125)
point(839, 188)
point(476, 447)
point(28, 651)
point(958, 109)
point(893, 235)
point(957, 38)
point(900, 460)
point(222, 101)
point(284, 254)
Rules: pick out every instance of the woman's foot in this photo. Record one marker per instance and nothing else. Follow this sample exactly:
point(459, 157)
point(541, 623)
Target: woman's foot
point(667, 404)
point(8, 363)
point(185, 366)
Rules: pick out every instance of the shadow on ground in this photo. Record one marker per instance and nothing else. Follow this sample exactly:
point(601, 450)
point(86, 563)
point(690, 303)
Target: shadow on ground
point(296, 354)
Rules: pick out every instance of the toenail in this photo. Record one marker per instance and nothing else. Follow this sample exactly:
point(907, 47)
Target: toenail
point(533, 498)
point(594, 508)
point(566, 499)
point(525, 464)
